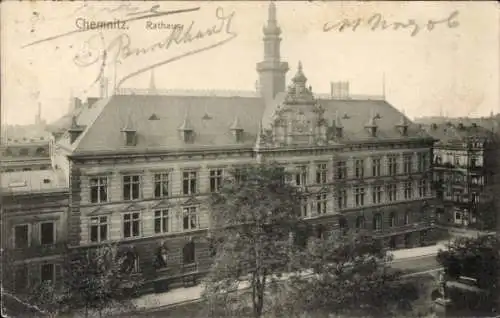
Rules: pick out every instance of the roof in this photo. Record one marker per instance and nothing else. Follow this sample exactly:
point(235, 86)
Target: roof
point(448, 132)
point(210, 117)
point(33, 181)
point(64, 122)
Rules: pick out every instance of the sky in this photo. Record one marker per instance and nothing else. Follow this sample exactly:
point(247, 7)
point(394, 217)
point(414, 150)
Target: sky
point(452, 69)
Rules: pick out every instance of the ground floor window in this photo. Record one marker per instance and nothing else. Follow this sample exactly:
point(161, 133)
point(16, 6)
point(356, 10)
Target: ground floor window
point(21, 278)
point(392, 242)
point(47, 273)
point(188, 253)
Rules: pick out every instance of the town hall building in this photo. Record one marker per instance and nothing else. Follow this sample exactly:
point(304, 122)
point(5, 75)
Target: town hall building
point(139, 168)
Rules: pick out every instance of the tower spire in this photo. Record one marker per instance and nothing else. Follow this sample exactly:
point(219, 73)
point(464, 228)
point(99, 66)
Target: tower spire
point(152, 83)
point(271, 70)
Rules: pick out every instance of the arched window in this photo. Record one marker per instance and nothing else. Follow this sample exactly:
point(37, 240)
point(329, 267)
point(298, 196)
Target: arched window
point(24, 152)
point(343, 226)
point(407, 218)
point(130, 262)
point(162, 257)
point(360, 222)
point(392, 219)
point(377, 222)
point(40, 151)
point(188, 252)
point(320, 231)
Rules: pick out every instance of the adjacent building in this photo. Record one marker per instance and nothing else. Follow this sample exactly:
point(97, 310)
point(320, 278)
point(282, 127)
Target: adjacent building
point(466, 162)
point(34, 212)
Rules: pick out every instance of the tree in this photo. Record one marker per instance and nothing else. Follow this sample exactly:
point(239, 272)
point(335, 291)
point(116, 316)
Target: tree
point(477, 258)
point(349, 277)
point(252, 218)
point(100, 279)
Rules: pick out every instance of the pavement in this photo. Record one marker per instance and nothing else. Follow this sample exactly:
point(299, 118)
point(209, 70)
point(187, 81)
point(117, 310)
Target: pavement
point(414, 260)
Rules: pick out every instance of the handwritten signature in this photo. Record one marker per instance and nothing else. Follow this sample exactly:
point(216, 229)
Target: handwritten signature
point(377, 22)
point(96, 51)
point(120, 48)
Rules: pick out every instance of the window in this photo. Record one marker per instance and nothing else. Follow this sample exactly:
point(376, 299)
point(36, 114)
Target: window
point(301, 176)
point(47, 233)
point(189, 180)
point(359, 168)
point(190, 218)
point(376, 167)
point(342, 199)
point(407, 218)
point(343, 226)
point(26, 169)
point(473, 162)
point(359, 195)
point(456, 160)
point(407, 164)
point(40, 151)
point(321, 203)
point(341, 170)
point(304, 209)
point(98, 189)
point(377, 194)
point(321, 171)
point(131, 224)
point(21, 277)
point(22, 236)
point(474, 197)
point(161, 181)
point(162, 221)
point(131, 187)
point(360, 222)
point(23, 152)
point(377, 222)
point(215, 179)
point(422, 188)
point(392, 166)
point(188, 253)
point(408, 189)
point(47, 272)
point(131, 262)
point(392, 219)
point(392, 192)
point(98, 228)
point(238, 175)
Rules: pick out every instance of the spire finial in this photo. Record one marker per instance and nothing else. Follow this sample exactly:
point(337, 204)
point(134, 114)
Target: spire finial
point(299, 76)
point(152, 84)
point(271, 12)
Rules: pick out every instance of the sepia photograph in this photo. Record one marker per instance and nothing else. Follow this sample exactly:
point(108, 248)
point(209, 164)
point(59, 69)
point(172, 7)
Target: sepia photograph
point(261, 159)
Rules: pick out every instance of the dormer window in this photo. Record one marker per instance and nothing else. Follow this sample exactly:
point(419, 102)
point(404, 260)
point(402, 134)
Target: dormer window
point(74, 131)
point(129, 133)
point(339, 127)
point(372, 126)
point(186, 130)
point(237, 130)
point(403, 126)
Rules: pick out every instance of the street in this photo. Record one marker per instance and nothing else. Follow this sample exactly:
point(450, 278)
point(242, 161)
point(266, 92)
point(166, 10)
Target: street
point(195, 309)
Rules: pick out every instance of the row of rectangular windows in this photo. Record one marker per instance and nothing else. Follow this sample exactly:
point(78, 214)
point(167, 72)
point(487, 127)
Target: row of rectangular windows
point(132, 223)
point(23, 234)
point(359, 195)
point(132, 184)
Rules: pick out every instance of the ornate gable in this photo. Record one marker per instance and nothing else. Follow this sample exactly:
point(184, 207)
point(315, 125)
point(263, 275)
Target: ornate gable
point(299, 120)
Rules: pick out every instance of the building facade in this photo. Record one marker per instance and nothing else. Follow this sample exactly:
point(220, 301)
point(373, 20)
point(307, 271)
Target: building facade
point(25, 154)
point(140, 168)
point(34, 217)
point(466, 161)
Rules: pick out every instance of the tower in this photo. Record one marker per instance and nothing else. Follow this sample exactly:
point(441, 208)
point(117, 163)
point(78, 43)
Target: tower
point(271, 70)
point(152, 82)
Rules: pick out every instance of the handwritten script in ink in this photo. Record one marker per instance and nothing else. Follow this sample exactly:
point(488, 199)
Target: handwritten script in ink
point(102, 52)
point(378, 22)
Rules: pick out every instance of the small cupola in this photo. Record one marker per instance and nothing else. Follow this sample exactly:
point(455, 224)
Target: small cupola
point(75, 130)
point(237, 130)
point(339, 127)
point(187, 131)
point(129, 133)
point(372, 126)
point(403, 125)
